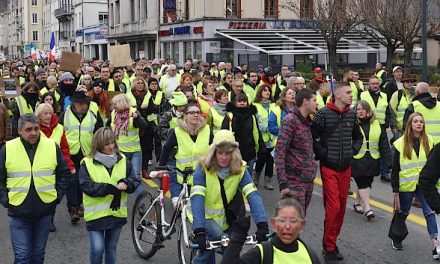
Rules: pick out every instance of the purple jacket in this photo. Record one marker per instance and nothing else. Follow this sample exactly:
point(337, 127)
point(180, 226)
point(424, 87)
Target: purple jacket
point(294, 156)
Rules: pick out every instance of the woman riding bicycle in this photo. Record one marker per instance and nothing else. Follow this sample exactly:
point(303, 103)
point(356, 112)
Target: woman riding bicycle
point(222, 175)
point(284, 246)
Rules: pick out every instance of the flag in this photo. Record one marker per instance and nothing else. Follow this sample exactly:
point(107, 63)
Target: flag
point(34, 54)
point(52, 48)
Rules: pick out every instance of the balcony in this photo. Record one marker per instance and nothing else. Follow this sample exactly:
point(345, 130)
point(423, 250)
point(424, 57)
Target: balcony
point(65, 35)
point(64, 12)
point(144, 26)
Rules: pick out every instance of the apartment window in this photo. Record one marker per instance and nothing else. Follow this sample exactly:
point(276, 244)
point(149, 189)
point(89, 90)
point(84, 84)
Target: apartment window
point(306, 9)
point(34, 35)
point(103, 18)
point(176, 52)
point(34, 2)
point(34, 18)
point(233, 8)
point(117, 13)
point(112, 16)
point(166, 50)
point(187, 48)
point(132, 10)
point(271, 8)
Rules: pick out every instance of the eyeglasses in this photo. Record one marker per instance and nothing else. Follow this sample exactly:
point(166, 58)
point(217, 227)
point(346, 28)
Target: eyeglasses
point(193, 113)
point(292, 221)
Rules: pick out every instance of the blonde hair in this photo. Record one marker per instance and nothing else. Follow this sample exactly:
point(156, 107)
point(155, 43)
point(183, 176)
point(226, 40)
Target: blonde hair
point(102, 137)
point(366, 106)
point(210, 162)
point(134, 83)
point(41, 108)
point(121, 102)
point(408, 137)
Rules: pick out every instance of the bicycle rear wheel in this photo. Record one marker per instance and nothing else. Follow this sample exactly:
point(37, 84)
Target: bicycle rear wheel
point(186, 254)
point(144, 232)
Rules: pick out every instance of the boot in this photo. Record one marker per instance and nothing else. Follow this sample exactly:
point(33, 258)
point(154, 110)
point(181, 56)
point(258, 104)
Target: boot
point(145, 174)
point(80, 211)
point(268, 183)
point(74, 217)
point(256, 178)
point(52, 226)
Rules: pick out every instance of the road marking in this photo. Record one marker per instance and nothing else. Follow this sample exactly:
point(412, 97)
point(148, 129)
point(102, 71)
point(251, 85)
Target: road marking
point(152, 184)
point(411, 217)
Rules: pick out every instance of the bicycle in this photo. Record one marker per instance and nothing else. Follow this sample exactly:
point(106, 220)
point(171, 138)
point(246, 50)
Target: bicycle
point(148, 218)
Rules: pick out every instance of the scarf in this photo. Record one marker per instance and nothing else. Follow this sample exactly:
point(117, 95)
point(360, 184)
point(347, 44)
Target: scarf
point(220, 108)
point(107, 160)
point(122, 120)
point(223, 173)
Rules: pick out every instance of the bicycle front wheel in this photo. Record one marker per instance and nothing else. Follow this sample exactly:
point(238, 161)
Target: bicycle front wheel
point(145, 219)
point(184, 239)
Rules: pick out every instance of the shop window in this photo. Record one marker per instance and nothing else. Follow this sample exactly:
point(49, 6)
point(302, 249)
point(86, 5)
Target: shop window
point(175, 56)
point(187, 48)
point(198, 50)
point(233, 8)
point(271, 8)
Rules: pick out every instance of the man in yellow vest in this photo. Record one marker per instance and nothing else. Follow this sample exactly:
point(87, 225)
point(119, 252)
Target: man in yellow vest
point(169, 82)
point(399, 102)
point(429, 107)
point(381, 74)
point(109, 84)
point(33, 178)
point(79, 125)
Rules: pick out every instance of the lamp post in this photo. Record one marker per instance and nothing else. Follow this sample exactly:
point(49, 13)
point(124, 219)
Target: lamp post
point(424, 42)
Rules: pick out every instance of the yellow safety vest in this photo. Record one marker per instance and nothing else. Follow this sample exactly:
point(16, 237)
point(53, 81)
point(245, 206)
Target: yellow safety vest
point(128, 140)
point(99, 207)
point(157, 100)
point(379, 75)
point(45, 90)
point(320, 100)
point(217, 120)
point(431, 117)
point(188, 151)
point(164, 82)
point(204, 105)
point(79, 135)
point(56, 135)
point(379, 109)
point(274, 89)
point(20, 171)
point(277, 111)
point(250, 92)
point(280, 257)
point(214, 208)
point(401, 107)
point(23, 106)
point(410, 168)
point(263, 117)
point(111, 85)
point(371, 143)
point(355, 92)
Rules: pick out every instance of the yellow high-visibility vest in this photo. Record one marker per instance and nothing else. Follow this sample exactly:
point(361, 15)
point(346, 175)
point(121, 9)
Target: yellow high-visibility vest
point(431, 118)
point(128, 140)
point(79, 135)
point(371, 143)
point(281, 257)
point(379, 109)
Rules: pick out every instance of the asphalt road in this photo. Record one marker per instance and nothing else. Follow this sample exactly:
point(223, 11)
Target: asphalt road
point(360, 242)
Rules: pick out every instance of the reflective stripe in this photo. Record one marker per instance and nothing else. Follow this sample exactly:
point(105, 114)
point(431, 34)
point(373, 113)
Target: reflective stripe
point(221, 222)
point(248, 189)
point(435, 134)
point(432, 122)
point(379, 111)
point(210, 211)
point(374, 144)
point(101, 207)
point(200, 190)
point(129, 144)
point(409, 166)
point(132, 133)
point(151, 117)
point(19, 189)
point(409, 179)
point(18, 174)
point(43, 173)
point(184, 160)
point(45, 188)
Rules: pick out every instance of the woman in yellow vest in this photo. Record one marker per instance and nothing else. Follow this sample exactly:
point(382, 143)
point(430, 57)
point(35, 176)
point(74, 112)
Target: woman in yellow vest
point(284, 247)
point(217, 112)
point(284, 106)
point(98, 95)
point(324, 95)
point(191, 137)
point(366, 163)
point(263, 103)
point(105, 176)
point(412, 150)
point(206, 98)
point(52, 87)
point(221, 177)
point(126, 121)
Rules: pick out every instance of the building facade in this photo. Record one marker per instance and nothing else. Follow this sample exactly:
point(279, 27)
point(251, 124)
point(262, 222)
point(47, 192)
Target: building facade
point(66, 27)
point(50, 23)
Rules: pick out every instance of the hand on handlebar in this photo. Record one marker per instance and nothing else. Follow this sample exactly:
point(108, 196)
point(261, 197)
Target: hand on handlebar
point(200, 239)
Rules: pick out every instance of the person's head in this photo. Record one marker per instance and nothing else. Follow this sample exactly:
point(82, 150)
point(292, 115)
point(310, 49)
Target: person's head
point(192, 114)
point(40, 74)
point(139, 85)
point(363, 110)
point(51, 72)
point(104, 141)
point(172, 70)
point(29, 128)
point(237, 86)
point(287, 97)
point(228, 78)
point(348, 74)
point(121, 102)
point(186, 79)
point(263, 93)
point(374, 83)
point(49, 98)
point(44, 112)
point(228, 66)
point(51, 82)
point(67, 78)
point(301, 83)
point(355, 76)
point(105, 73)
point(222, 153)
point(179, 101)
point(398, 73)
point(30, 88)
point(6, 72)
point(187, 65)
point(306, 99)
point(80, 102)
point(15, 72)
point(221, 96)
point(289, 218)
point(325, 90)
point(284, 69)
point(317, 73)
point(293, 83)
point(241, 101)
point(117, 77)
point(237, 73)
point(342, 93)
point(422, 88)
point(153, 84)
point(415, 128)
point(408, 82)
point(221, 66)
point(253, 77)
point(98, 86)
point(208, 88)
point(378, 66)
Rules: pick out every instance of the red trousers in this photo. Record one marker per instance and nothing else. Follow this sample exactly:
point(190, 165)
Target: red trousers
point(335, 187)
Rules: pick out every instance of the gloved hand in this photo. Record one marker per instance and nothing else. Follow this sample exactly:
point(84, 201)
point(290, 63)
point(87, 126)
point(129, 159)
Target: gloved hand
point(200, 238)
point(111, 189)
point(241, 225)
point(116, 202)
point(262, 232)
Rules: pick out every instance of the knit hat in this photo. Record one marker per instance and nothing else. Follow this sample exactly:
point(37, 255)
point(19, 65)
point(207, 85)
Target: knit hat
point(317, 69)
point(66, 76)
point(98, 82)
point(396, 68)
point(224, 136)
point(79, 97)
point(39, 72)
point(179, 99)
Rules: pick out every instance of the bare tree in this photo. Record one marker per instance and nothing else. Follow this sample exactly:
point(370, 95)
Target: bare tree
point(333, 18)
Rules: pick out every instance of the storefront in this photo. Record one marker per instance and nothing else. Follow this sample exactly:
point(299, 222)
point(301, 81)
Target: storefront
point(92, 42)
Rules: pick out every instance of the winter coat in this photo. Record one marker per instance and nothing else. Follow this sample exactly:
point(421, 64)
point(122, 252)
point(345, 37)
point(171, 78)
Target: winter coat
point(429, 176)
point(425, 99)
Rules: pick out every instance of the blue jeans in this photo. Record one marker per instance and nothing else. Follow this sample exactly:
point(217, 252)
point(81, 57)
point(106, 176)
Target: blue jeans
point(406, 199)
point(213, 232)
point(175, 186)
point(250, 166)
point(136, 162)
point(104, 241)
point(29, 237)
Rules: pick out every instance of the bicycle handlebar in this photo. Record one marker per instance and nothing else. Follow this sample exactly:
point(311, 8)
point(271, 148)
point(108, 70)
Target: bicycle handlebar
point(186, 171)
point(224, 242)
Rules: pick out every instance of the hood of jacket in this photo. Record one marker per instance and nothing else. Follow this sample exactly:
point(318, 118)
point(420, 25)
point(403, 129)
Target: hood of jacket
point(332, 106)
point(426, 99)
point(183, 125)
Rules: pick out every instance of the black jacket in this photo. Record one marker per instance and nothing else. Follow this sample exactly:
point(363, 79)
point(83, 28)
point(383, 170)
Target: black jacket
point(32, 206)
point(91, 188)
point(337, 136)
point(242, 125)
point(367, 166)
point(425, 99)
point(429, 176)
point(390, 88)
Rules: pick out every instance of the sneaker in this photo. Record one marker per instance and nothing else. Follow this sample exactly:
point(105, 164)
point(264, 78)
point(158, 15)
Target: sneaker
point(396, 245)
point(331, 255)
point(74, 217)
point(80, 211)
point(435, 255)
point(338, 255)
